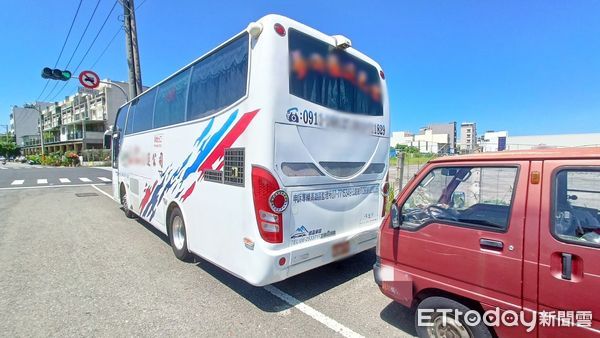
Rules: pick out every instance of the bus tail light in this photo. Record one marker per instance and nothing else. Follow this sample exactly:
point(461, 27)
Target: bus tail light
point(268, 219)
point(279, 29)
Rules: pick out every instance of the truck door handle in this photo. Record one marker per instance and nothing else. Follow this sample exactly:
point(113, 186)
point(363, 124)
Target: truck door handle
point(491, 244)
point(567, 266)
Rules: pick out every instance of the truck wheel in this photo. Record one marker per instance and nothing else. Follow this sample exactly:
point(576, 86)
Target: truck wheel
point(177, 236)
point(455, 327)
point(125, 204)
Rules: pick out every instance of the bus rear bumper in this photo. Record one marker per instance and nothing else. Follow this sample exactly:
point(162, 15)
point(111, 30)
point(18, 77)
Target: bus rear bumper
point(306, 256)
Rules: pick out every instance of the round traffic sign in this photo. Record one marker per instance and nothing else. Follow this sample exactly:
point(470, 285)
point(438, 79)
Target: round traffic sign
point(89, 79)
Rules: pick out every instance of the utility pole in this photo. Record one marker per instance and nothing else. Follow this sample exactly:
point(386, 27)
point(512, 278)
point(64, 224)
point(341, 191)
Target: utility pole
point(133, 56)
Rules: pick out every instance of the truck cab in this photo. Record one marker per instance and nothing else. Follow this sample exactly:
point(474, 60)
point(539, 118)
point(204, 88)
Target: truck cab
point(501, 235)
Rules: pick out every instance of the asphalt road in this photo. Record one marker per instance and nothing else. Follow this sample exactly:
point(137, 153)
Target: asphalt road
point(73, 266)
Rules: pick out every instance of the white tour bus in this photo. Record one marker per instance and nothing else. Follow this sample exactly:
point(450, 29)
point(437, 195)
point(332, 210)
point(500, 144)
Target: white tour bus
point(267, 156)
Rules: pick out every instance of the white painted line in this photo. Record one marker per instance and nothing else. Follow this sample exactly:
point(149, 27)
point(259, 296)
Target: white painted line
point(42, 181)
point(53, 186)
point(17, 182)
point(64, 180)
point(3, 168)
point(104, 179)
point(104, 192)
point(85, 179)
point(314, 314)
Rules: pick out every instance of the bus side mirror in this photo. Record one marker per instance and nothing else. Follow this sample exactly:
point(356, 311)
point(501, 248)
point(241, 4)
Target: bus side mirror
point(108, 139)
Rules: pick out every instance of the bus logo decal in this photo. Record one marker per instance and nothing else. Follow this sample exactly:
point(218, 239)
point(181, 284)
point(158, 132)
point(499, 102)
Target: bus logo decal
point(292, 115)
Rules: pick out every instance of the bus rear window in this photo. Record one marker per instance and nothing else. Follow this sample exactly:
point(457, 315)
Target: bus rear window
point(330, 77)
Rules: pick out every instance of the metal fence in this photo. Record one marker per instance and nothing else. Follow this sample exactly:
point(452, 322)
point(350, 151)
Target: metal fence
point(405, 166)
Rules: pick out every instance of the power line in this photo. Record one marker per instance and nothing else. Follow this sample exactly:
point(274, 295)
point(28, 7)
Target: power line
point(63, 46)
point(106, 48)
point(76, 47)
point(112, 39)
point(91, 45)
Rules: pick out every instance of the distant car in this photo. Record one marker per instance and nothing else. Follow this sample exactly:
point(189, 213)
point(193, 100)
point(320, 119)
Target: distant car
point(3, 159)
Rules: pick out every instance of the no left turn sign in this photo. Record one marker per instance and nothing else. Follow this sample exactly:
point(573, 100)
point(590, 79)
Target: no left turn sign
point(89, 79)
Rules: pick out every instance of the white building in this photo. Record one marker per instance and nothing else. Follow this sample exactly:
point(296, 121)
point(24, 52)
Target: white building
point(428, 142)
point(400, 137)
point(493, 141)
point(552, 141)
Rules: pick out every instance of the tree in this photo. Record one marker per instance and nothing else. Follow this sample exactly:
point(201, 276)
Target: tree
point(407, 149)
point(8, 148)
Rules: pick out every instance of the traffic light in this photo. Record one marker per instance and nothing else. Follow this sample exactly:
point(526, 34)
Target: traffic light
point(56, 74)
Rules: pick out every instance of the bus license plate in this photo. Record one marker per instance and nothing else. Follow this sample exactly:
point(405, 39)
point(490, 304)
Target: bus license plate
point(340, 249)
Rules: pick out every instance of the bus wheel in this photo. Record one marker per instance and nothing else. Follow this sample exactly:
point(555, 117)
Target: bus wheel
point(125, 204)
point(177, 236)
point(447, 324)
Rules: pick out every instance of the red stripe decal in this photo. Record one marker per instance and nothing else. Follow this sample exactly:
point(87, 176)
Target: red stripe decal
point(147, 194)
point(188, 192)
point(229, 139)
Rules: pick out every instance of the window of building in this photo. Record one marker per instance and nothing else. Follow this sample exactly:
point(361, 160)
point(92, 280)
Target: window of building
point(576, 203)
point(170, 100)
point(474, 196)
point(219, 79)
point(332, 77)
point(143, 109)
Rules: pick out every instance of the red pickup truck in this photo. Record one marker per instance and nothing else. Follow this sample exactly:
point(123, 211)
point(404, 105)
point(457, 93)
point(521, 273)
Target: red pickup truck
point(498, 244)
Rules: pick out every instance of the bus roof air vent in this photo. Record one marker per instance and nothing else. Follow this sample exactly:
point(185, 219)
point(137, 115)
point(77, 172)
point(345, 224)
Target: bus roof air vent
point(342, 42)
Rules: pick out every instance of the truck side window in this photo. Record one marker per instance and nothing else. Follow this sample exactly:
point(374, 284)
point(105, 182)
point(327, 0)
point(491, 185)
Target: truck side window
point(476, 196)
point(577, 206)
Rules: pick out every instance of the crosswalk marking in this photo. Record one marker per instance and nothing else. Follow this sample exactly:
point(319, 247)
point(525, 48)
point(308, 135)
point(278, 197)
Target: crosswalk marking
point(42, 181)
point(64, 180)
point(104, 179)
point(17, 182)
point(84, 179)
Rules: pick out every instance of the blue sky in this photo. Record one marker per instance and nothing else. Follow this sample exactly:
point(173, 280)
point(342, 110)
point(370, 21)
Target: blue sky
point(530, 67)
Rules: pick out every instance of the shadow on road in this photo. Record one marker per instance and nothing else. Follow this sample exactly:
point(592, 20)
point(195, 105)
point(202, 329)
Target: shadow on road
point(399, 317)
point(302, 287)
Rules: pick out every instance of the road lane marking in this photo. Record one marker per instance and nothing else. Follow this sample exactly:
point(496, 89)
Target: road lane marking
point(85, 179)
point(104, 192)
point(104, 179)
point(42, 181)
point(64, 180)
point(311, 312)
point(17, 182)
point(53, 186)
point(3, 168)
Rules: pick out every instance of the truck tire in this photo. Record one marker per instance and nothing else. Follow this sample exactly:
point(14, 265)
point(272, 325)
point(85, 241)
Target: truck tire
point(455, 327)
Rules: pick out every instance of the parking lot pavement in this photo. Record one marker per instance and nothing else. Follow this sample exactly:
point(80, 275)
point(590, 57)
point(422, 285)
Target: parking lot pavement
point(76, 266)
point(18, 176)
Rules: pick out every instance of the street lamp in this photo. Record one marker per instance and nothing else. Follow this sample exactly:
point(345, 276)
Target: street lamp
point(36, 107)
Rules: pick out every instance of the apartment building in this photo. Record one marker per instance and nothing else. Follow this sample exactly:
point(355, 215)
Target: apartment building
point(79, 121)
point(468, 137)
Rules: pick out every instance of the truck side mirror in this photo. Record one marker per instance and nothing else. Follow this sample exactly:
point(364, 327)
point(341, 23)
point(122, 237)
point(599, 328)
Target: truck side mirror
point(395, 216)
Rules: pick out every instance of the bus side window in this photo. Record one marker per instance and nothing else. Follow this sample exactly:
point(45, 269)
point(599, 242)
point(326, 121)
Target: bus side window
point(170, 100)
point(219, 80)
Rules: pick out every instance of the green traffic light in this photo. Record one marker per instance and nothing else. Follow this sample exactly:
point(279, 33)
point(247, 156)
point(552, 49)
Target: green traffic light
point(66, 75)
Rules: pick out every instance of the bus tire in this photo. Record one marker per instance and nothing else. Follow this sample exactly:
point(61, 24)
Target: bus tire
point(177, 236)
point(125, 203)
point(455, 327)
